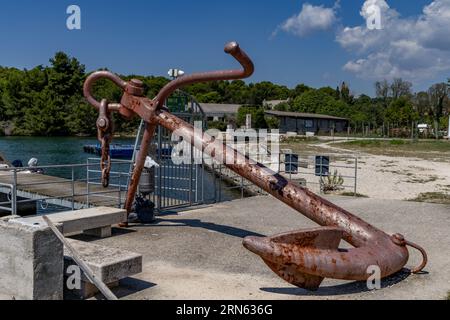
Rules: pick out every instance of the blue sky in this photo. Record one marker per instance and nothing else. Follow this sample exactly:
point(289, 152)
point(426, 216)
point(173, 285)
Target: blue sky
point(149, 37)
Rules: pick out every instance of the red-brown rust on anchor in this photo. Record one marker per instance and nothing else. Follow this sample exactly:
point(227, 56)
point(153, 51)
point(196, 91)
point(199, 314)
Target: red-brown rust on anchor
point(303, 258)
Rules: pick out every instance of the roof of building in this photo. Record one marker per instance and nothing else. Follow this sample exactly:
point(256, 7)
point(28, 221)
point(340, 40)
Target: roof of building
point(217, 108)
point(302, 115)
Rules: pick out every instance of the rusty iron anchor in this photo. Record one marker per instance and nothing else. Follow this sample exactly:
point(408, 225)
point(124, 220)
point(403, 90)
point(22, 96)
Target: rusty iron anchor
point(303, 258)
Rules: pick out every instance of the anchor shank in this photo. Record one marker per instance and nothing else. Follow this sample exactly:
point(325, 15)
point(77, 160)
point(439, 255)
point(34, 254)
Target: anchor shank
point(356, 231)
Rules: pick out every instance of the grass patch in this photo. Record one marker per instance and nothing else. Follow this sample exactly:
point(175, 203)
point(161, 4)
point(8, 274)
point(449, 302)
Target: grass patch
point(352, 194)
point(299, 139)
point(448, 295)
point(426, 149)
point(407, 145)
point(422, 180)
point(433, 197)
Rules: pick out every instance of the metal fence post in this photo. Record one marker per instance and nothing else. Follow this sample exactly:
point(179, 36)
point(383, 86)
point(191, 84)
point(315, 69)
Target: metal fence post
point(14, 194)
point(220, 182)
point(191, 175)
point(356, 176)
point(73, 189)
point(87, 184)
point(120, 189)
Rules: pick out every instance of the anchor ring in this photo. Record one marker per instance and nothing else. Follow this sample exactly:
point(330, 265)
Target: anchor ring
point(400, 240)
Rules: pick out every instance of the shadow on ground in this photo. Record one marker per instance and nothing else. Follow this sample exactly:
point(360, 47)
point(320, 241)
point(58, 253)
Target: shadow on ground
point(127, 287)
point(343, 289)
point(196, 223)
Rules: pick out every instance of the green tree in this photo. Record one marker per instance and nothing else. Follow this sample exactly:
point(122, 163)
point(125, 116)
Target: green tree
point(401, 111)
point(320, 101)
point(258, 117)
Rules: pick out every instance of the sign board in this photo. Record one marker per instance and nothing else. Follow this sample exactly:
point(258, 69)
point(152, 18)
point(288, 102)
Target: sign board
point(291, 163)
point(322, 166)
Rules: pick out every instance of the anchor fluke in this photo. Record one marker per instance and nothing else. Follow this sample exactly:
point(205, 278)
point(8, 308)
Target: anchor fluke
point(285, 253)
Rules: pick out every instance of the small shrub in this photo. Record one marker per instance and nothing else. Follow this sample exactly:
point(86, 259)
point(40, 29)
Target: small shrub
point(332, 183)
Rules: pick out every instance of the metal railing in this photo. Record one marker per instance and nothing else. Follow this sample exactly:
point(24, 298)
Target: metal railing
point(78, 186)
point(53, 189)
point(226, 181)
point(308, 175)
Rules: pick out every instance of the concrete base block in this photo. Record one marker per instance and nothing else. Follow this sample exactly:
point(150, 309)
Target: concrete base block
point(81, 220)
point(109, 265)
point(31, 262)
point(104, 232)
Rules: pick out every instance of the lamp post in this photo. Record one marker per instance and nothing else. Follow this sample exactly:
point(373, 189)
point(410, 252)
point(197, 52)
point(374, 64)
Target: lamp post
point(175, 73)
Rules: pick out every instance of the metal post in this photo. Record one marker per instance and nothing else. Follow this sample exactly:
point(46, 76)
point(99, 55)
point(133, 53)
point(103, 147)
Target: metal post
point(242, 188)
point(220, 183)
point(356, 177)
point(87, 184)
point(14, 194)
point(196, 182)
point(73, 189)
point(120, 189)
point(191, 175)
point(202, 182)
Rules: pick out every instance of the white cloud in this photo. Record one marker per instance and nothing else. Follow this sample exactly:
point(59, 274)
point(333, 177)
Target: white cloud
point(310, 19)
point(415, 48)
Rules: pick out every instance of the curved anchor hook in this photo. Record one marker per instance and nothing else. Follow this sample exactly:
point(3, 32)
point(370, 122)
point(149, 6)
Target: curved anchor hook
point(303, 258)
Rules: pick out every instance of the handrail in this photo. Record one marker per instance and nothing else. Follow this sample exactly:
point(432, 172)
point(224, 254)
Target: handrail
point(60, 166)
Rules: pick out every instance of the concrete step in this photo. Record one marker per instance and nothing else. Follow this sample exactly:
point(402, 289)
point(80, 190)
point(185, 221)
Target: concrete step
point(93, 221)
point(110, 265)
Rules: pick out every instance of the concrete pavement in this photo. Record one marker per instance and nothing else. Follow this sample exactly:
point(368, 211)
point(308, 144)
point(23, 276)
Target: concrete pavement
point(198, 254)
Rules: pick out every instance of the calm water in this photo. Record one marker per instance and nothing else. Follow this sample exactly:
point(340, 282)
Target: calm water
point(69, 150)
point(49, 151)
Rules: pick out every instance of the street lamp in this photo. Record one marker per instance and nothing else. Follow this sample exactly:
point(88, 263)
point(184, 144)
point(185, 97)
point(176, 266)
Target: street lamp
point(175, 73)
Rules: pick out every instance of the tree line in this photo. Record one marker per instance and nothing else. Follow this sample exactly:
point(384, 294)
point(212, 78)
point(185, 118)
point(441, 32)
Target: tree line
point(48, 100)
